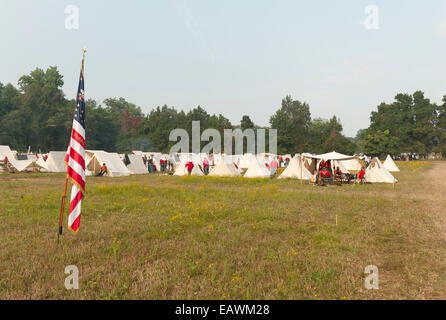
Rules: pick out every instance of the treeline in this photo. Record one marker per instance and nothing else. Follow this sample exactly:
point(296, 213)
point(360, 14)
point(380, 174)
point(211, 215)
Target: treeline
point(37, 114)
point(410, 124)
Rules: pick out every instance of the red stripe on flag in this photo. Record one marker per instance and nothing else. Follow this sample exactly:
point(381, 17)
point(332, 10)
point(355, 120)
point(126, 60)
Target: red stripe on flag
point(75, 201)
point(77, 157)
point(76, 224)
point(76, 177)
point(78, 137)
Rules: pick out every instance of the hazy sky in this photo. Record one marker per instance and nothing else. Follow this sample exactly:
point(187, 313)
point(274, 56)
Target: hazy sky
point(234, 57)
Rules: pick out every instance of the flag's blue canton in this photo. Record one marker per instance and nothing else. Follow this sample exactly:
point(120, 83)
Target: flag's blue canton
point(79, 111)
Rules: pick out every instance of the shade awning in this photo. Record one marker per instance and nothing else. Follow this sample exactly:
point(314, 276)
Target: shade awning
point(328, 156)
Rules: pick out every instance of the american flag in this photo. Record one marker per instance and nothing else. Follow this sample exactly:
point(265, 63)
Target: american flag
point(75, 158)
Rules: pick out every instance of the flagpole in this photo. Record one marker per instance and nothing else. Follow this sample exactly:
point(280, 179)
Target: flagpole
point(64, 196)
point(62, 208)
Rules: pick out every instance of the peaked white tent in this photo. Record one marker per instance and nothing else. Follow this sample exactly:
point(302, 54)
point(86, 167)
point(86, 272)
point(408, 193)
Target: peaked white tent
point(296, 171)
point(55, 161)
point(18, 165)
point(42, 164)
point(256, 170)
point(5, 151)
point(181, 170)
point(136, 165)
point(390, 164)
point(223, 169)
point(376, 173)
point(115, 166)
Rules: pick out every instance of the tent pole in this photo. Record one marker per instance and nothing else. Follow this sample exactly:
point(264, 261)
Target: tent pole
point(62, 208)
point(301, 169)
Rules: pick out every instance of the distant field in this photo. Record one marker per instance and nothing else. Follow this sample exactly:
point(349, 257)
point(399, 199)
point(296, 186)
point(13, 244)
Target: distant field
point(165, 237)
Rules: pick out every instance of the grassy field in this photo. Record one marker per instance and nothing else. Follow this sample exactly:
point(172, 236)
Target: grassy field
point(164, 237)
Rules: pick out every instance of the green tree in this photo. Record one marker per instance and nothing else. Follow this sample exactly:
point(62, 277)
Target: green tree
point(246, 123)
point(326, 136)
point(379, 143)
point(292, 122)
point(10, 99)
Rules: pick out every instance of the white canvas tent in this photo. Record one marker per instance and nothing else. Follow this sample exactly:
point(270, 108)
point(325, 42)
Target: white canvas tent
point(136, 165)
point(296, 171)
point(256, 170)
point(223, 169)
point(390, 164)
point(115, 166)
point(376, 173)
point(42, 164)
point(55, 161)
point(246, 160)
point(5, 151)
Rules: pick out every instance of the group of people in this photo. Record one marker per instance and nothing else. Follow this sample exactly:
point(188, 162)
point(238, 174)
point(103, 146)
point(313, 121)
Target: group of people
point(284, 162)
point(325, 175)
point(165, 164)
point(190, 166)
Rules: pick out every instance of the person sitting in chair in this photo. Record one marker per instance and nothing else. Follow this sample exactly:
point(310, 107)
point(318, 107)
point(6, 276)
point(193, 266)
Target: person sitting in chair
point(103, 171)
point(338, 175)
point(324, 176)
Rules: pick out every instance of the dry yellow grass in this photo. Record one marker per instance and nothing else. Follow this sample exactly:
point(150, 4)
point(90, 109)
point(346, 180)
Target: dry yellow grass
point(162, 237)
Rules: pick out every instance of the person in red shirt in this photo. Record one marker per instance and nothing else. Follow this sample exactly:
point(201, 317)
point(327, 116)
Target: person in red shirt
point(324, 175)
point(361, 175)
point(6, 164)
point(273, 166)
point(163, 164)
point(338, 175)
point(338, 171)
point(104, 170)
point(280, 161)
point(328, 164)
point(206, 166)
point(189, 166)
point(322, 165)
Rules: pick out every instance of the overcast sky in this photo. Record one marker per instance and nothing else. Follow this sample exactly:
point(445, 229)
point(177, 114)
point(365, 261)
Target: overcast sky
point(234, 57)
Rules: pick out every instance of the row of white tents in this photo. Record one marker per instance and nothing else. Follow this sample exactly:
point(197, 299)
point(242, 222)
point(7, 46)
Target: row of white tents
point(300, 167)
